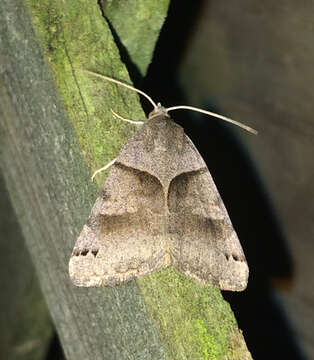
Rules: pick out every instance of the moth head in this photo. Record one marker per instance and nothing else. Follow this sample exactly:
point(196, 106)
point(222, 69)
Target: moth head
point(159, 110)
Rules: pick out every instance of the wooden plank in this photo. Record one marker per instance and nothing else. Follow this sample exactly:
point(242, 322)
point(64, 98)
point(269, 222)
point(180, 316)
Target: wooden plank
point(25, 325)
point(53, 127)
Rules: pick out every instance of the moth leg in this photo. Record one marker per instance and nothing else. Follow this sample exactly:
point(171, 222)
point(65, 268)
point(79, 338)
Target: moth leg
point(127, 120)
point(104, 168)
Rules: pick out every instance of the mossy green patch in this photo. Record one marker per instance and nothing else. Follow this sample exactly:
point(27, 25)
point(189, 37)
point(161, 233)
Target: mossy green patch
point(137, 23)
point(194, 321)
point(76, 37)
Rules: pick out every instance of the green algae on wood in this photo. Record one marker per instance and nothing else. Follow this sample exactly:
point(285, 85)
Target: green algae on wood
point(194, 321)
point(75, 36)
point(138, 24)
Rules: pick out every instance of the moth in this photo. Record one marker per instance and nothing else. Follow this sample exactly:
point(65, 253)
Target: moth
point(159, 207)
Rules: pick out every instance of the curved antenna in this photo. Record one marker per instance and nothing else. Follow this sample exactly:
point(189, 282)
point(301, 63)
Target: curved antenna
point(247, 128)
point(123, 84)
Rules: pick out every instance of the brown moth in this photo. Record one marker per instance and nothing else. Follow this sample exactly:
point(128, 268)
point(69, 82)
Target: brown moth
point(159, 207)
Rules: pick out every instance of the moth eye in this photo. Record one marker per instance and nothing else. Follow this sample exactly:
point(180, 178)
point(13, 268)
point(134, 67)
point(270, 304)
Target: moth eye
point(227, 256)
point(84, 252)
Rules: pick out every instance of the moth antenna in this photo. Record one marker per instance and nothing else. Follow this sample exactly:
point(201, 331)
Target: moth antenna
point(123, 84)
point(247, 128)
point(103, 168)
point(127, 120)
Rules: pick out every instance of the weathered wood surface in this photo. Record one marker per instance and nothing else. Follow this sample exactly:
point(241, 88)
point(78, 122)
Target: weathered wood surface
point(55, 121)
point(25, 326)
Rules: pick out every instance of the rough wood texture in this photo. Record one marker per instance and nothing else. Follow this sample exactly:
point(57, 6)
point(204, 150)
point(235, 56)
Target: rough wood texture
point(25, 326)
point(45, 146)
